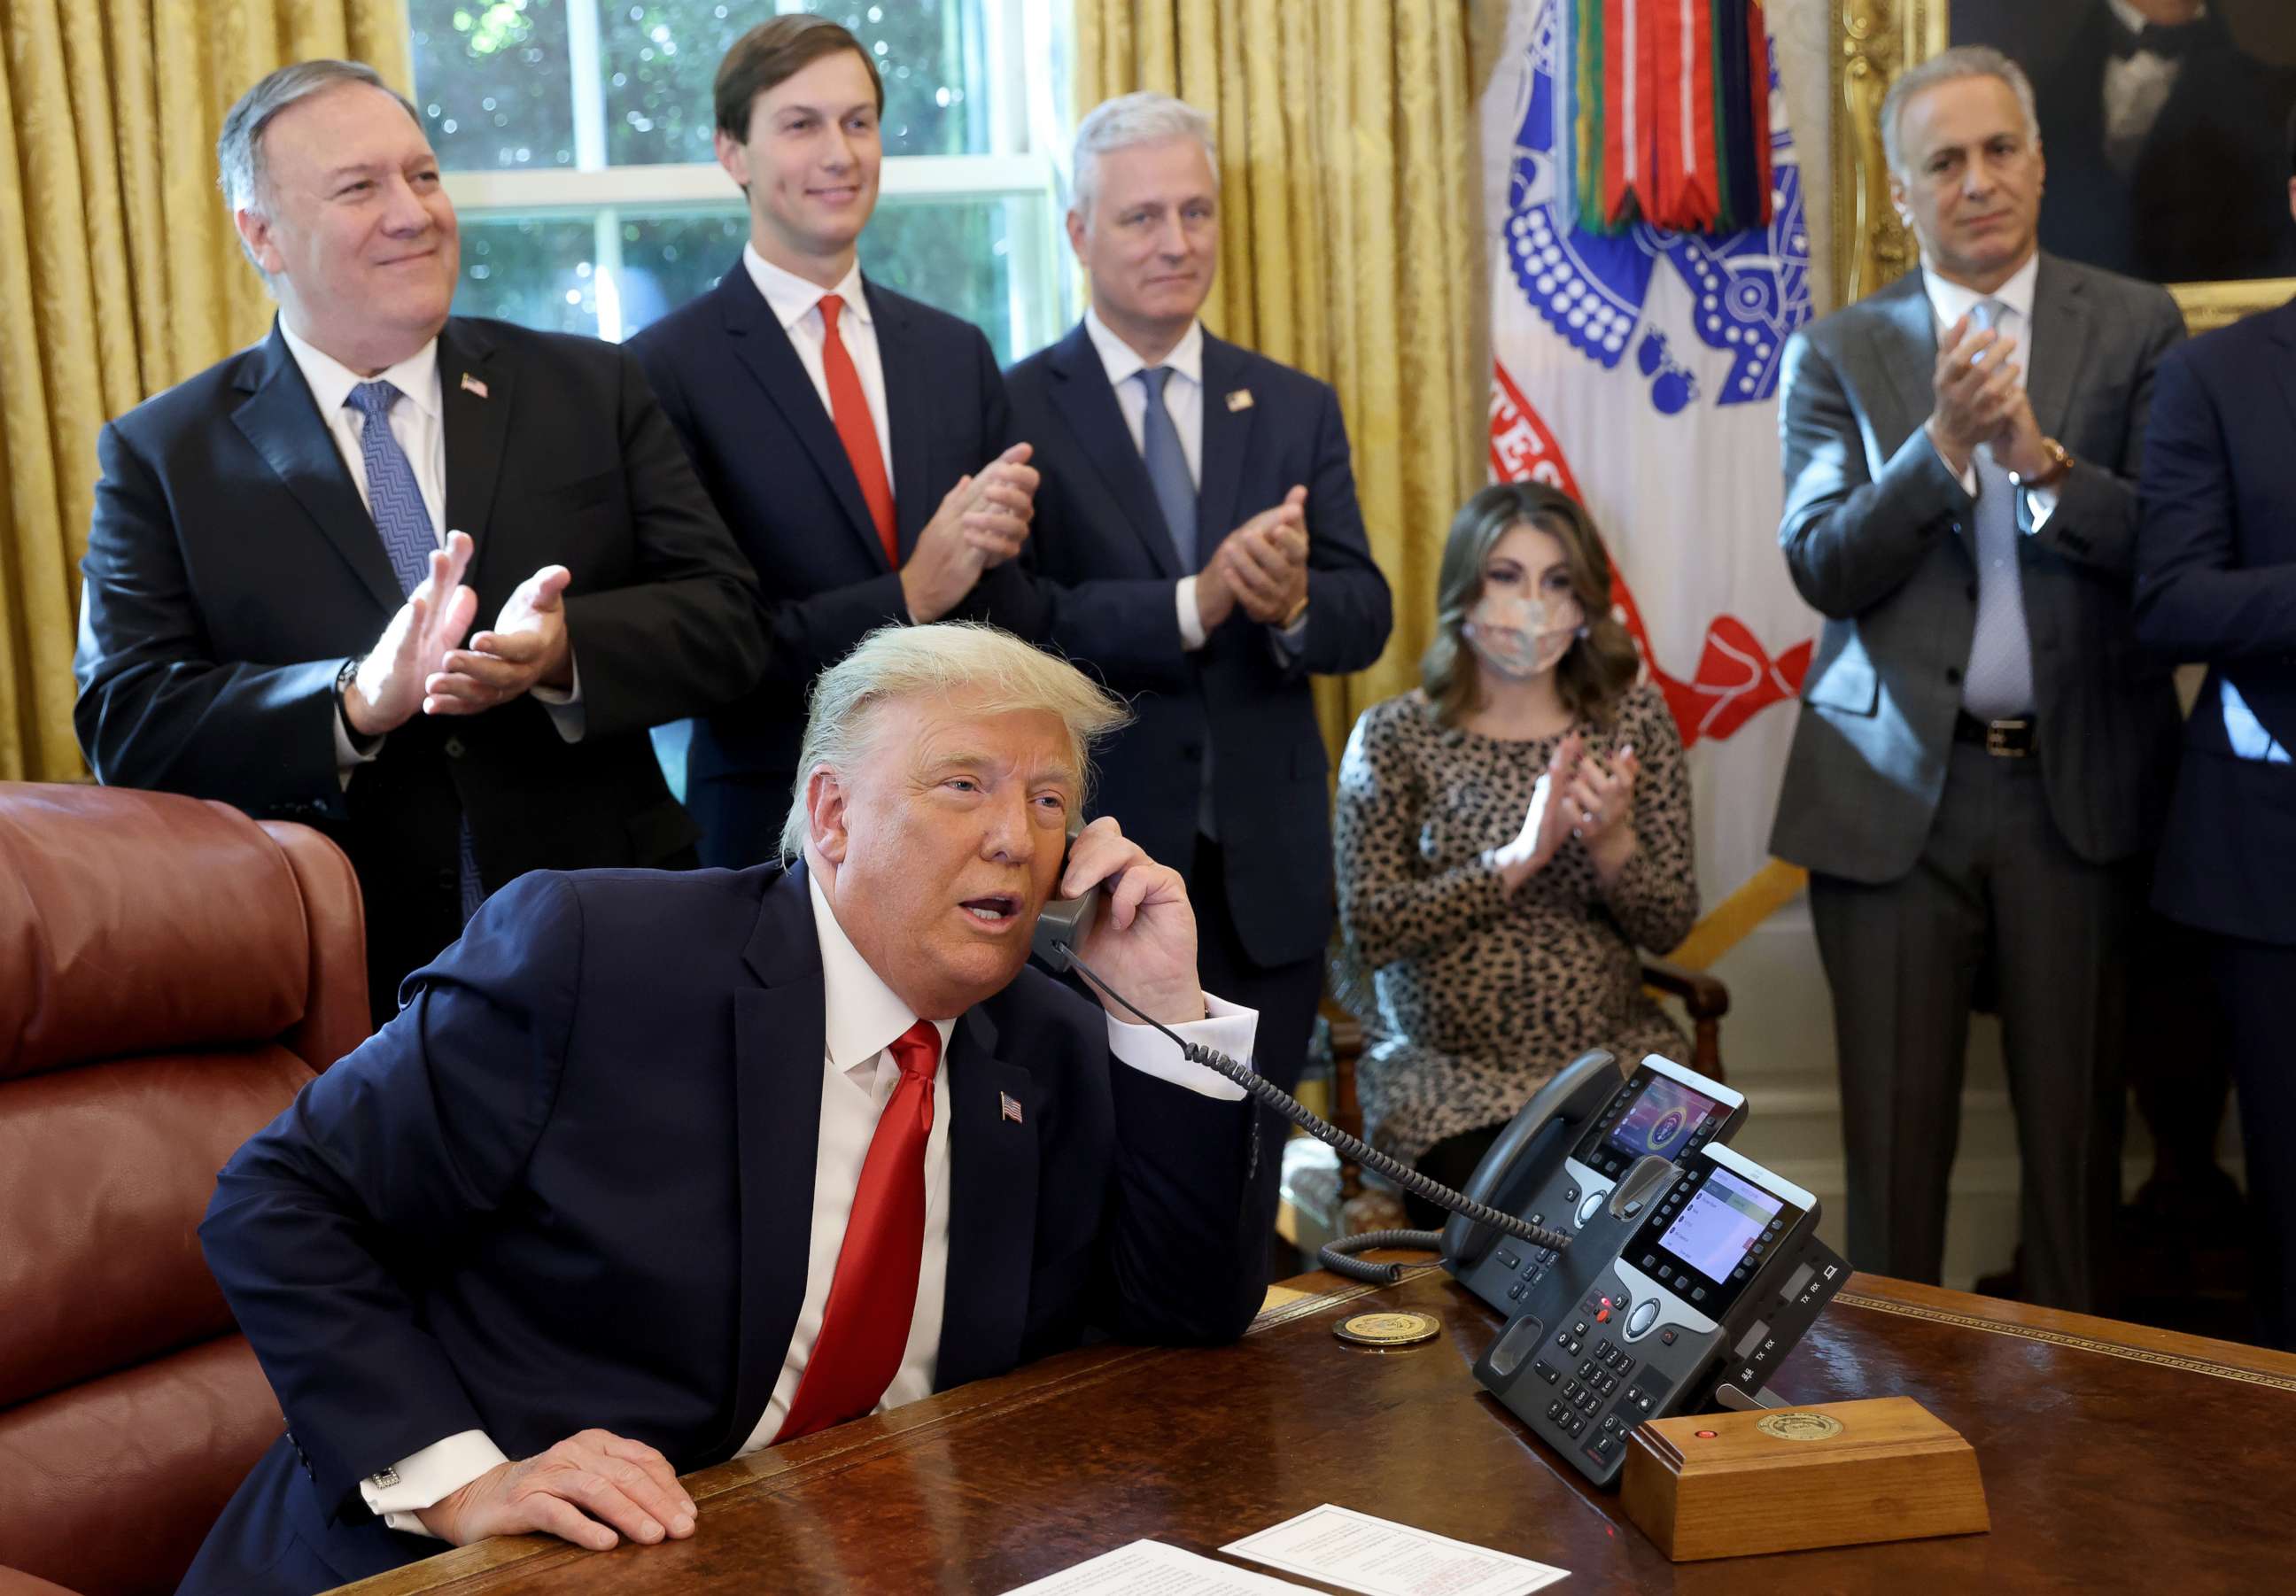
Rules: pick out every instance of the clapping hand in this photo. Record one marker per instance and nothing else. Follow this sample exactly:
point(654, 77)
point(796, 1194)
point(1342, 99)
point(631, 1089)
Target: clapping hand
point(527, 648)
point(982, 521)
point(388, 687)
point(1546, 823)
point(1601, 800)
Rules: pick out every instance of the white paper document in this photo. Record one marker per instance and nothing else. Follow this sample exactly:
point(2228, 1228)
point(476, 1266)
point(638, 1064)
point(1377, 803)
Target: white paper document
point(1152, 1569)
point(1381, 1557)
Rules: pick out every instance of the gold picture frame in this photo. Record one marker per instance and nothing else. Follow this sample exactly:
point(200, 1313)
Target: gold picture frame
point(1877, 40)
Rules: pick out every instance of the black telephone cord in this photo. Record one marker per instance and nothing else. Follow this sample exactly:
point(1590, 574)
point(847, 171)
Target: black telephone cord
point(1351, 1148)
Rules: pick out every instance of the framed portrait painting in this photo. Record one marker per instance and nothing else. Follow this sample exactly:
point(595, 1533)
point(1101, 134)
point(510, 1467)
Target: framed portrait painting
point(2165, 125)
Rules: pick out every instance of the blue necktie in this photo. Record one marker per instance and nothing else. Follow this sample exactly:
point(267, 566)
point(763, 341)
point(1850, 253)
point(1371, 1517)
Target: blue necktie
point(408, 537)
point(1168, 466)
point(1999, 682)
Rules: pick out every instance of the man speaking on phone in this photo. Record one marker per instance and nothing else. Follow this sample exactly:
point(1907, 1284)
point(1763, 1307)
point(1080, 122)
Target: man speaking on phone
point(534, 1250)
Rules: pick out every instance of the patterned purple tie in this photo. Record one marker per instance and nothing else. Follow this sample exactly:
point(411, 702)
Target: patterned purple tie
point(408, 537)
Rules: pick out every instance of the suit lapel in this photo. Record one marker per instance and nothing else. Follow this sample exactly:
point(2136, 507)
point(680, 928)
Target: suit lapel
point(474, 426)
point(2059, 339)
point(907, 418)
point(992, 1212)
point(279, 418)
point(1086, 404)
point(1905, 339)
point(779, 1041)
point(760, 342)
point(1227, 439)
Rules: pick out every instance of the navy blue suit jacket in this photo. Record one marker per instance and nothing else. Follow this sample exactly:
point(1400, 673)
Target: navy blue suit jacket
point(1106, 569)
point(2216, 558)
point(232, 569)
point(570, 1186)
point(768, 454)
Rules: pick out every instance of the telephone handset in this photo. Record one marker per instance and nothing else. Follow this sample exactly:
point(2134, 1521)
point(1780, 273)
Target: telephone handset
point(1587, 1154)
point(1064, 923)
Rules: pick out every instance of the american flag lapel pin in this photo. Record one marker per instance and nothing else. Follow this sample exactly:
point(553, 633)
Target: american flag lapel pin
point(472, 385)
point(1009, 1107)
point(1238, 399)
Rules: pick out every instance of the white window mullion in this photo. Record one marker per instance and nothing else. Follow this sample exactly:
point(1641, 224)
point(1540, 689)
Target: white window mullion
point(584, 66)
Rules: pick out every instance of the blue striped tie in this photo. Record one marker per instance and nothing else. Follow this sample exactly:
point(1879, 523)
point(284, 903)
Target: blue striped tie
point(1998, 683)
point(408, 537)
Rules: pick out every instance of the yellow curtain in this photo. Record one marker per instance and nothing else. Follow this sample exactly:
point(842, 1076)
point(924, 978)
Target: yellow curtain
point(119, 272)
point(1348, 193)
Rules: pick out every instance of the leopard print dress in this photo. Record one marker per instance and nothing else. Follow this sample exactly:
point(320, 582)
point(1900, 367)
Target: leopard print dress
point(1478, 996)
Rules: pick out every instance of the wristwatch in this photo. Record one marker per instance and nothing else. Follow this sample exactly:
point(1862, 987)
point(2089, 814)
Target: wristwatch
point(2061, 462)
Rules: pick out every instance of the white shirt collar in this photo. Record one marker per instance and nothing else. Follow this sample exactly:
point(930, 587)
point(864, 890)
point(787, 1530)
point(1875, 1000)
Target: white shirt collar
point(863, 1016)
point(1951, 301)
point(1122, 361)
point(790, 296)
point(331, 381)
point(2133, 19)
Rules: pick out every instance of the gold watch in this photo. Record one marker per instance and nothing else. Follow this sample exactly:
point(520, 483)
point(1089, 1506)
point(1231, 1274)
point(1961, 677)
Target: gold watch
point(2061, 463)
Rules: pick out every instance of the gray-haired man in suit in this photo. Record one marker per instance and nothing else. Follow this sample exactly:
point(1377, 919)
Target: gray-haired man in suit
point(1983, 752)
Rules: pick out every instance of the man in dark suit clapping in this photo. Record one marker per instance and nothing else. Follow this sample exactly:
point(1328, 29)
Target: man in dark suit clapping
point(289, 548)
point(1201, 548)
point(858, 442)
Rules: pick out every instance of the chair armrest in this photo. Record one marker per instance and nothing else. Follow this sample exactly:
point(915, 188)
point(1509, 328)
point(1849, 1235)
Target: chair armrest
point(1702, 994)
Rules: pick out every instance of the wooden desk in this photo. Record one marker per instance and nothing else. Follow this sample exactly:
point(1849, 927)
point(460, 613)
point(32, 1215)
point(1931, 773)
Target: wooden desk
point(2116, 1459)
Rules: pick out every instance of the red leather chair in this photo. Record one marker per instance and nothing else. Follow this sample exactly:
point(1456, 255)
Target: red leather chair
point(171, 973)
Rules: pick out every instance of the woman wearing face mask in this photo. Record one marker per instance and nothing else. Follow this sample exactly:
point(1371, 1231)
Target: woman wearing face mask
point(1507, 835)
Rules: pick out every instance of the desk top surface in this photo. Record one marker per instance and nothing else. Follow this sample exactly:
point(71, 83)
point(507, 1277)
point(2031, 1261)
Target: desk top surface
point(2115, 1458)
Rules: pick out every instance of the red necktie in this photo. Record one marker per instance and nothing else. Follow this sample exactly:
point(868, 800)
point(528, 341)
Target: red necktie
point(848, 406)
point(873, 1294)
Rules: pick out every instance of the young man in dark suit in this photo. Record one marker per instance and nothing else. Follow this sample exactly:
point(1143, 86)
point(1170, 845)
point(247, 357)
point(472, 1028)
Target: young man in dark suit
point(1201, 547)
point(858, 442)
point(657, 1169)
point(289, 548)
point(2216, 561)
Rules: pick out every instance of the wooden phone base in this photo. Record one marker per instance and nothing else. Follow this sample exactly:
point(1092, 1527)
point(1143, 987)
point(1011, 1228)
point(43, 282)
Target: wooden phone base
point(1787, 1479)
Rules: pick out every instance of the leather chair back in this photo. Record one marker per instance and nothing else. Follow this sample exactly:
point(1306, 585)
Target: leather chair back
point(171, 973)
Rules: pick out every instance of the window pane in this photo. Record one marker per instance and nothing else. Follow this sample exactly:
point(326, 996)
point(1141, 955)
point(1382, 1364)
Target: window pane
point(492, 81)
point(538, 272)
point(955, 254)
point(661, 56)
point(667, 260)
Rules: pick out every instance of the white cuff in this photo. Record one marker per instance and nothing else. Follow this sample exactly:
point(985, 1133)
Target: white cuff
point(429, 1478)
point(2041, 502)
point(1226, 1028)
point(565, 706)
point(1192, 624)
point(348, 759)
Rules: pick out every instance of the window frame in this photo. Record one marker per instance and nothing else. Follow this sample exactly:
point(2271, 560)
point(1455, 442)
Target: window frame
point(1041, 293)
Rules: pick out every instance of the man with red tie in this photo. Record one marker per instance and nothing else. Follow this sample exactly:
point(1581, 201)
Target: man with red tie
point(856, 441)
point(655, 1168)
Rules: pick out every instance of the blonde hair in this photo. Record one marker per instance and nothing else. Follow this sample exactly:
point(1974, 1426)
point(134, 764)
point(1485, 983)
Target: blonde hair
point(993, 670)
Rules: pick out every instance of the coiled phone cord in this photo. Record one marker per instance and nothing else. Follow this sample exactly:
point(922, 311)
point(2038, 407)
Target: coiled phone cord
point(1353, 1149)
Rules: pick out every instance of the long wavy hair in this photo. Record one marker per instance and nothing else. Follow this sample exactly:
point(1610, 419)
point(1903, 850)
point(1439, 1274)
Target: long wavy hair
point(1599, 665)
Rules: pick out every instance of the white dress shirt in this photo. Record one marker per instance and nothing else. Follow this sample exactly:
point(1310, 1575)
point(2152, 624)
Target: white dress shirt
point(418, 424)
point(796, 305)
point(863, 1016)
point(1951, 301)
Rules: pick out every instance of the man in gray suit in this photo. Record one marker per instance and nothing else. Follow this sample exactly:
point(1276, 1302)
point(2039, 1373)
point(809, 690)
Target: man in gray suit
point(1983, 751)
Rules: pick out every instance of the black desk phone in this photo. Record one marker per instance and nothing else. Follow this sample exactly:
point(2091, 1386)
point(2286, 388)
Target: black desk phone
point(1648, 1268)
point(1705, 1297)
point(1587, 1154)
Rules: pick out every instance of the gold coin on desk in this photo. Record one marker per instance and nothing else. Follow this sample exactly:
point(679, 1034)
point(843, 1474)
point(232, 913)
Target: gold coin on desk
point(1388, 1330)
point(1799, 1427)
